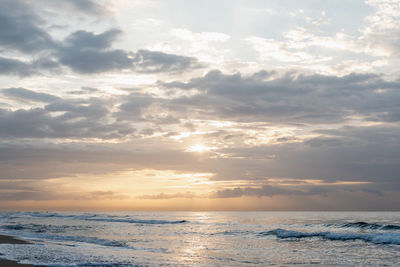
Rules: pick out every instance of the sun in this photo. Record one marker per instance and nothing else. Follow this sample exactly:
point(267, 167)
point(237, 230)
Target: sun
point(199, 148)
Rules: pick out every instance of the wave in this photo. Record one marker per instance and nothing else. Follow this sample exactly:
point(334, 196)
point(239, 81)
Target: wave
point(78, 239)
point(373, 226)
point(39, 234)
point(42, 228)
point(376, 238)
point(135, 221)
point(101, 218)
point(13, 227)
point(234, 233)
point(90, 264)
point(90, 240)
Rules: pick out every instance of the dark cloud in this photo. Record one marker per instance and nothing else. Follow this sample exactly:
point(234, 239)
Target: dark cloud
point(133, 106)
point(88, 40)
point(84, 6)
point(84, 90)
point(82, 51)
point(85, 119)
point(86, 52)
point(325, 141)
point(290, 99)
point(15, 67)
point(25, 94)
point(46, 64)
point(347, 153)
point(270, 191)
point(261, 191)
point(152, 62)
point(362, 154)
point(20, 30)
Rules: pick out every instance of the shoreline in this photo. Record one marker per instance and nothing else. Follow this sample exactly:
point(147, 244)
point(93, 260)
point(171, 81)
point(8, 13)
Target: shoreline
point(6, 239)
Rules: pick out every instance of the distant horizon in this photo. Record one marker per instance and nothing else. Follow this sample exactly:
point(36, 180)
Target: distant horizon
point(194, 211)
point(184, 105)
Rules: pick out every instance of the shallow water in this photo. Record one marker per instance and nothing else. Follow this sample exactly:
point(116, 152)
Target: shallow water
point(204, 238)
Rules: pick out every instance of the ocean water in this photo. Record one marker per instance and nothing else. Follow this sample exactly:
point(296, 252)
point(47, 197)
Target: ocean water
point(204, 238)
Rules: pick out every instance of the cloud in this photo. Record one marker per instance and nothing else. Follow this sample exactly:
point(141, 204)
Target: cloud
point(381, 35)
point(260, 126)
point(152, 62)
point(83, 91)
point(291, 98)
point(170, 196)
point(315, 106)
point(15, 67)
point(28, 195)
point(70, 159)
point(84, 52)
point(85, 6)
point(88, 40)
point(107, 195)
point(19, 28)
point(25, 94)
point(325, 141)
point(84, 119)
point(270, 191)
point(261, 191)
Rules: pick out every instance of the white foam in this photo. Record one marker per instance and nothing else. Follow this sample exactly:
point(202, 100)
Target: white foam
point(377, 238)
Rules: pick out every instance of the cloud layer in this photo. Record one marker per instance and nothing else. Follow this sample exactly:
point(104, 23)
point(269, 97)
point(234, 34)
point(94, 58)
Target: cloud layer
point(180, 113)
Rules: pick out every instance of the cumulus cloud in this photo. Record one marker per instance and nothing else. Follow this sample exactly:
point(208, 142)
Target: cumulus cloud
point(20, 30)
point(84, 52)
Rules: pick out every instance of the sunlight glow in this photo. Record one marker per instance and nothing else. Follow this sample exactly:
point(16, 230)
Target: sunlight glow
point(200, 148)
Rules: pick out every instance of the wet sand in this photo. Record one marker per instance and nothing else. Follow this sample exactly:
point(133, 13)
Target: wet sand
point(5, 239)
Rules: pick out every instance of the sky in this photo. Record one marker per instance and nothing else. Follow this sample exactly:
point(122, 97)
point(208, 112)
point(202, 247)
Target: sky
point(200, 105)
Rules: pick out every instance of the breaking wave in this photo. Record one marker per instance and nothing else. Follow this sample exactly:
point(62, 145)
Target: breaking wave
point(374, 226)
point(376, 238)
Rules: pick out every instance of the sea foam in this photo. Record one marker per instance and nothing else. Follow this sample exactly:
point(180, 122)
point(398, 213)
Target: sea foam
point(377, 238)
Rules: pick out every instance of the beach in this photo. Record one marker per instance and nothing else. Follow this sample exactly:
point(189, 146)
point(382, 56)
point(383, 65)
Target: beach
point(5, 239)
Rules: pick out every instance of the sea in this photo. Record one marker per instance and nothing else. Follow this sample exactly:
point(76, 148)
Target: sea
point(203, 238)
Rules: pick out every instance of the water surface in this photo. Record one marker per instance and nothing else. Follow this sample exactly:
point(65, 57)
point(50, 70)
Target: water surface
point(204, 238)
